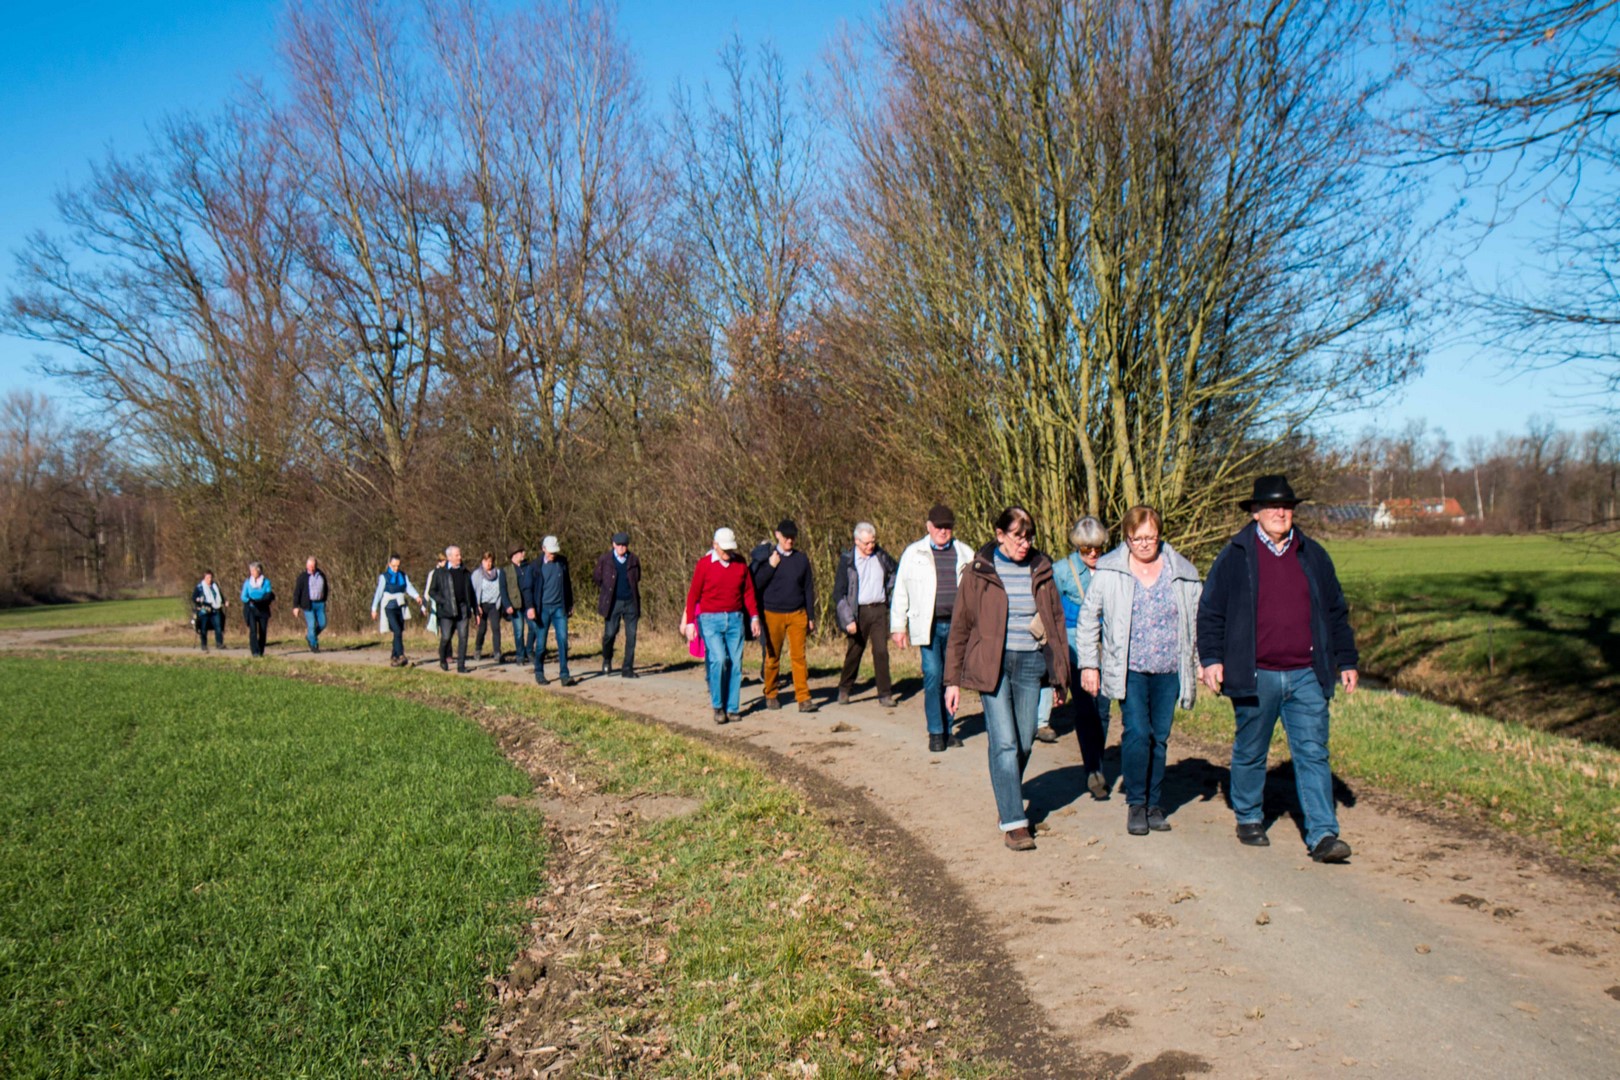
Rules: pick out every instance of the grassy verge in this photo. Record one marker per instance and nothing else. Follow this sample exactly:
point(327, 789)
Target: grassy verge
point(208, 873)
point(1555, 790)
point(1523, 628)
point(98, 614)
point(768, 939)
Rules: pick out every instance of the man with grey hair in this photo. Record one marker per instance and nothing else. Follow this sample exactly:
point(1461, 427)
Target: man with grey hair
point(862, 589)
point(455, 601)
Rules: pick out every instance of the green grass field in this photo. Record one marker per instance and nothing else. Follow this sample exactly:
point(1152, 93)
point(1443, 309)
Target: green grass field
point(98, 614)
point(1522, 628)
point(206, 873)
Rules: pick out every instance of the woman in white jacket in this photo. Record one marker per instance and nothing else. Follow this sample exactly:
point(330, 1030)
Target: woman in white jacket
point(1145, 597)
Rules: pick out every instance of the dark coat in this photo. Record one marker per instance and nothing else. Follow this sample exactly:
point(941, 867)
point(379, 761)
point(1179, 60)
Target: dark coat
point(301, 590)
point(979, 624)
point(604, 575)
point(847, 584)
point(531, 587)
point(529, 584)
point(1228, 611)
point(450, 585)
point(802, 598)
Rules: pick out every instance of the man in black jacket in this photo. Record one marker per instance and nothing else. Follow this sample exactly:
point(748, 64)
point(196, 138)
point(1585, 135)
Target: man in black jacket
point(1274, 636)
point(787, 595)
point(618, 600)
point(310, 593)
point(455, 602)
point(862, 588)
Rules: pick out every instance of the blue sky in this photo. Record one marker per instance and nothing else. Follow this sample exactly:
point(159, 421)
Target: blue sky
point(80, 76)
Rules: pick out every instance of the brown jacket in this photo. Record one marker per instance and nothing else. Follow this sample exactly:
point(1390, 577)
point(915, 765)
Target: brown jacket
point(979, 624)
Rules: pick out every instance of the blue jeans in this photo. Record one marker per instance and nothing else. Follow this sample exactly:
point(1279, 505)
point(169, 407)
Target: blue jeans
point(933, 671)
point(1297, 697)
point(213, 620)
point(314, 622)
point(1009, 721)
point(551, 618)
point(523, 635)
point(722, 657)
point(1146, 712)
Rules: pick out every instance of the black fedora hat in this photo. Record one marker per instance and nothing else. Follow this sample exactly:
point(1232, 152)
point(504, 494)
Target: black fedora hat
point(1270, 489)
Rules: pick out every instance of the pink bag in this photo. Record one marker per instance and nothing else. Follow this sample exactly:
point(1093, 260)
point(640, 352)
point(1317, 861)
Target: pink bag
point(695, 646)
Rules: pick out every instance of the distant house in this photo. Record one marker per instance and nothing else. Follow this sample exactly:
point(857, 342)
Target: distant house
point(1393, 512)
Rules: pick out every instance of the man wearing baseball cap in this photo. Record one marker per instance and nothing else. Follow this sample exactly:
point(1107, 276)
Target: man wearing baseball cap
point(618, 600)
point(787, 594)
point(920, 612)
point(721, 592)
point(553, 604)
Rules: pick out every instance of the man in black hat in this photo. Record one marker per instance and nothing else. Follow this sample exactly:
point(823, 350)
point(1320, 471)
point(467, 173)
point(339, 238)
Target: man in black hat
point(618, 600)
point(787, 595)
point(1274, 636)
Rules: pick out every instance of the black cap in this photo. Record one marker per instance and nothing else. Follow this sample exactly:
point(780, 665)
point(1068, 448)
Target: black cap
point(942, 517)
point(1270, 489)
point(517, 549)
point(788, 528)
point(622, 538)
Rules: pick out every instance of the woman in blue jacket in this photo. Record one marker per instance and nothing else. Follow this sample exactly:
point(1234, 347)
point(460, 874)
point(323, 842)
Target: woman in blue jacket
point(257, 596)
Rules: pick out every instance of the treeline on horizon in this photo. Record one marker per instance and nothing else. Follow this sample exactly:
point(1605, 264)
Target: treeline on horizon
point(461, 280)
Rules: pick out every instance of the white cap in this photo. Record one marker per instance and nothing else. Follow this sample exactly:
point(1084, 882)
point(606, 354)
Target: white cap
point(550, 544)
point(726, 539)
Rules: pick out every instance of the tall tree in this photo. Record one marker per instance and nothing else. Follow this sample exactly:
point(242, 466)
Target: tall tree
point(1139, 244)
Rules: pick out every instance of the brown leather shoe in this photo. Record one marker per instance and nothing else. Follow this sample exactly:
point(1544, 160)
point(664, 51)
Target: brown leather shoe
point(843, 696)
point(809, 706)
point(888, 703)
point(1019, 840)
point(772, 703)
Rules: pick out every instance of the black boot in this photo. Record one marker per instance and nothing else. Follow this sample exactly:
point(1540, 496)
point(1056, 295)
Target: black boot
point(607, 658)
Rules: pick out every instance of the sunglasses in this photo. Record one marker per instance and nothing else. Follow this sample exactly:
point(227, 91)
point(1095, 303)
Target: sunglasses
point(1091, 551)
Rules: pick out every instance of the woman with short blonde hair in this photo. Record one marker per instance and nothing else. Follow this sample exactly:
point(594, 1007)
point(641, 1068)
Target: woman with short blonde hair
point(1138, 636)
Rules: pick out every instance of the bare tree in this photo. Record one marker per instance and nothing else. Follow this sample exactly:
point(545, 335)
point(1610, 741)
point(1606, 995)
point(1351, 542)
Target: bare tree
point(1525, 94)
point(1152, 232)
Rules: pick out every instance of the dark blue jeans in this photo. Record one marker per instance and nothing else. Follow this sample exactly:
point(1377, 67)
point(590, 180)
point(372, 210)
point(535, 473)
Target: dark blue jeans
point(1297, 697)
point(933, 672)
point(1146, 713)
point(523, 636)
point(396, 623)
point(212, 620)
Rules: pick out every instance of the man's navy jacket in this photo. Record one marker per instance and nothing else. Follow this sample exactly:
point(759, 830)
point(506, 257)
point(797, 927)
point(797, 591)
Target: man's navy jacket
point(1228, 611)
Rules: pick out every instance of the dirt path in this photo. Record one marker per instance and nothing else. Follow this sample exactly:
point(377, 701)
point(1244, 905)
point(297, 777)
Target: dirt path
point(1434, 953)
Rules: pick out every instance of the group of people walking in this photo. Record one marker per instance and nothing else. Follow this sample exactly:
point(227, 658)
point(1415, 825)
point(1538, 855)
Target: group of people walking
point(535, 598)
point(1134, 626)
point(1269, 629)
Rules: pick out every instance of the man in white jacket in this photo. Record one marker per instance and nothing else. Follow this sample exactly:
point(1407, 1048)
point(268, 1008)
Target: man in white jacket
point(924, 598)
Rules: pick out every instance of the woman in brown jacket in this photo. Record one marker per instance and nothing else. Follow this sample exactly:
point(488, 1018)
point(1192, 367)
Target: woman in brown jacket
point(1006, 632)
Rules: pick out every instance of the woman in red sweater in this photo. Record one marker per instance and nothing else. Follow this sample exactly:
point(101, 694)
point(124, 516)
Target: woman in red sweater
point(721, 591)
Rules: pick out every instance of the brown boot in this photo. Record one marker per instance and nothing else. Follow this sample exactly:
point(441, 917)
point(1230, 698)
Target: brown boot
point(1019, 839)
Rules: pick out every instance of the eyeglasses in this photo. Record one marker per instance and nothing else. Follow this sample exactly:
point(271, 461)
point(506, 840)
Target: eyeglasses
point(1274, 506)
point(1091, 551)
point(1143, 541)
point(1016, 538)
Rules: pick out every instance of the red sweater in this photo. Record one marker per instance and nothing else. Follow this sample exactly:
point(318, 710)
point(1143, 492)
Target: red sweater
point(720, 587)
point(1282, 627)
